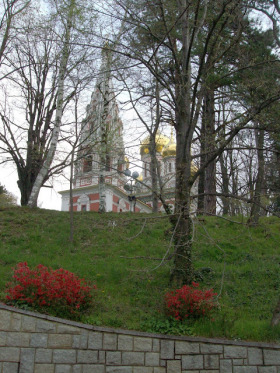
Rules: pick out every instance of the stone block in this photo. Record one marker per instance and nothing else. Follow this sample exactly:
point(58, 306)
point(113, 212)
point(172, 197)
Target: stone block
point(9, 354)
point(16, 322)
point(167, 349)
point(159, 370)
point(64, 356)
point(173, 366)
point(77, 368)
point(211, 361)
point(84, 340)
point(156, 345)
point(142, 344)
point(110, 341)
point(186, 348)
point(80, 341)
point(192, 362)
point(125, 343)
point(133, 358)
point(119, 370)
point(28, 324)
point(89, 368)
point(245, 369)
point(142, 370)
point(60, 340)
point(68, 329)
point(76, 341)
point(43, 355)
point(271, 357)
point(45, 326)
point(63, 368)
point(3, 338)
point(95, 341)
point(10, 367)
point(235, 352)
point(44, 368)
point(101, 357)
point(113, 358)
point(191, 371)
point(87, 357)
point(226, 366)
point(152, 359)
point(207, 348)
point(267, 370)
point(238, 361)
point(5, 320)
point(39, 340)
point(27, 356)
point(15, 339)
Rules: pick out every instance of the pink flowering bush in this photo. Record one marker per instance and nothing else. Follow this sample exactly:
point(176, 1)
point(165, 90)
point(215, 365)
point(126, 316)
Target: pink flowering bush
point(58, 292)
point(189, 302)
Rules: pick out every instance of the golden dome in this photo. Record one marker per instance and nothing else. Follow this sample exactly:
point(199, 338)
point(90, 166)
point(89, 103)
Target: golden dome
point(194, 169)
point(170, 148)
point(140, 177)
point(126, 161)
point(161, 141)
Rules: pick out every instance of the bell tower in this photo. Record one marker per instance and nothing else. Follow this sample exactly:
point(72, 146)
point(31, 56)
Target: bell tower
point(101, 155)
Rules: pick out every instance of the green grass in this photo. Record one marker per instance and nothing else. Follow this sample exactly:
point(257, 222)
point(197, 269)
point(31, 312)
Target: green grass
point(241, 263)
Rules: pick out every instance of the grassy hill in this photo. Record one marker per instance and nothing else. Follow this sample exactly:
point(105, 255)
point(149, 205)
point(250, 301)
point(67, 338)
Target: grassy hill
point(122, 254)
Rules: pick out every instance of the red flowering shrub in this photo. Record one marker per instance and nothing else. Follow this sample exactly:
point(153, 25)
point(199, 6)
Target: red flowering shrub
point(58, 291)
point(189, 302)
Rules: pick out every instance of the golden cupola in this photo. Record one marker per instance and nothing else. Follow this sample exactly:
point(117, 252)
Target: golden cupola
point(169, 149)
point(161, 141)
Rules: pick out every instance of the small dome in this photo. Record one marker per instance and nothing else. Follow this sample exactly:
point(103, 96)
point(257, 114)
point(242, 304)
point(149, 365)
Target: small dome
point(161, 141)
point(140, 177)
point(170, 149)
point(194, 169)
point(126, 161)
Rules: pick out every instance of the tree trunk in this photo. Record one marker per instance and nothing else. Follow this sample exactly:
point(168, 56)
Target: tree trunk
point(209, 142)
point(201, 181)
point(71, 236)
point(256, 204)
point(104, 146)
point(225, 185)
point(153, 171)
point(182, 224)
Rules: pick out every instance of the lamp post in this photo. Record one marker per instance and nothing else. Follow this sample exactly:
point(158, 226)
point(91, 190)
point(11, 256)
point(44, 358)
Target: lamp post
point(131, 188)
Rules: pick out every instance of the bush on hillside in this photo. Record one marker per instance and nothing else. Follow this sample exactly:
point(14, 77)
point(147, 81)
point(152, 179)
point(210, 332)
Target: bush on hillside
point(189, 302)
point(58, 292)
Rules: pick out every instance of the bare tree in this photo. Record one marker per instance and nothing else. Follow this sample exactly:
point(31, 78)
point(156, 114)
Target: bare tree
point(42, 62)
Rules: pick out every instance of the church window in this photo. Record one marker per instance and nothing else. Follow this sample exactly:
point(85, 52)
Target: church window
point(87, 165)
point(170, 167)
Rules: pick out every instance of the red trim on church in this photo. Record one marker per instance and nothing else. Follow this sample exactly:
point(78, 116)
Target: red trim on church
point(94, 206)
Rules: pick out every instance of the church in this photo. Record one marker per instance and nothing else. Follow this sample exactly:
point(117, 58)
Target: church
point(102, 180)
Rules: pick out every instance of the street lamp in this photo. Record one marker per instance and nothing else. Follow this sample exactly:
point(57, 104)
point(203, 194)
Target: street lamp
point(131, 188)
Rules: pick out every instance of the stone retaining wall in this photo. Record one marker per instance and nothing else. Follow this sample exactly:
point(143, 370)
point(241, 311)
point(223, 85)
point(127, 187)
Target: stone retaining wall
point(31, 342)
